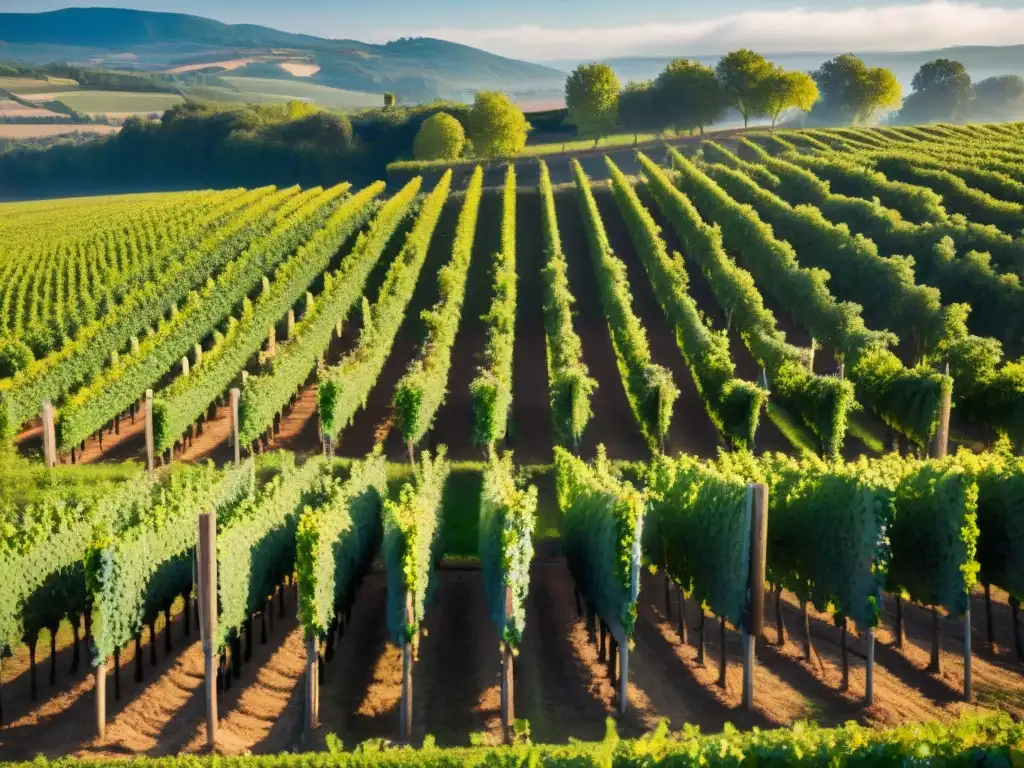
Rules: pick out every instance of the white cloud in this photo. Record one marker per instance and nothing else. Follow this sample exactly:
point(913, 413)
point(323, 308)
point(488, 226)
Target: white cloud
point(935, 24)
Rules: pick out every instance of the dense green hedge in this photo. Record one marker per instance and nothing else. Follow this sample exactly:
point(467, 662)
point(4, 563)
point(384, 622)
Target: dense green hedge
point(972, 741)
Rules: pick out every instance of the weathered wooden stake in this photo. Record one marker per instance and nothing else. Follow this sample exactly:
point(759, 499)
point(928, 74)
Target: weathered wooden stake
point(184, 366)
point(845, 657)
point(207, 592)
point(723, 658)
point(312, 681)
point(149, 430)
point(623, 677)
point(271, 341)
point(507, 673)
point(291, 323)
point(780, 627)
point(236, 394)
point(968, 686)
point(406, 711)
point(755, 613)
point(939, 447)
point(898, 642)
point(869, 689)
point(101, 699)
point(805, 609)
point(681, 604)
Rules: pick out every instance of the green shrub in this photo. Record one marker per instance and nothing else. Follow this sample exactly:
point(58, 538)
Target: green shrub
point(441, 137)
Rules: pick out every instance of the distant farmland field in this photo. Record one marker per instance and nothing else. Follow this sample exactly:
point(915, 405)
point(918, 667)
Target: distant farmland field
point(25, 86)
point(119, 103)
point(27, 131)
point(269, 89)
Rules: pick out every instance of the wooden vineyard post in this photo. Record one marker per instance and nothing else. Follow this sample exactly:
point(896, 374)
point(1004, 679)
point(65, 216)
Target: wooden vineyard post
point(149, 430)
point(508, 715)
point(291, 323)
point(49, 435)
point(271, 341)
point(236, 394)
point(207, 589)
point(940, 443)
point(968, 687)
point(623, 644)
point(755, 613)
point(869, 687)
point(312, 682)
point(101, 699)
point(405, 724)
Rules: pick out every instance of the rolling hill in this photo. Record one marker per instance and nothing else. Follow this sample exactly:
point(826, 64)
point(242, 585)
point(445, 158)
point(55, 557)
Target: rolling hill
point(417, 69)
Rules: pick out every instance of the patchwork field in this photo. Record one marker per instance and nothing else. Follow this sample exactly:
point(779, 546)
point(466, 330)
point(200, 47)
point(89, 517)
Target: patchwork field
point(113, 103)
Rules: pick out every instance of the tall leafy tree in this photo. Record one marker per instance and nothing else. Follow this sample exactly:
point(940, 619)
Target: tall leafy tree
point(942, 91)
point(689, 95)
point(852, 92)
point(497, 127)
point(788, 90)
point(741, 75)
point(592, 98)
point(638, 109)
point(999, 98)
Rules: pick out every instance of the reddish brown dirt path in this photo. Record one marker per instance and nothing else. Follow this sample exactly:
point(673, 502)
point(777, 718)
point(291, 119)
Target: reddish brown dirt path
point(454, 420)
point(691, 430)
point(165, 714)
point(530, 424)
point(613, 423)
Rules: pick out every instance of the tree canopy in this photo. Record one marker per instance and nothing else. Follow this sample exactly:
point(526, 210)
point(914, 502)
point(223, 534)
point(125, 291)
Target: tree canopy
point(852, 92)
point(441, 137)
point(942, 91)
point(999, 98)
point(788, 90)
point(688, 95)
point(497, 127)
point(638, 109)
point(741, 75)
point(592, 97)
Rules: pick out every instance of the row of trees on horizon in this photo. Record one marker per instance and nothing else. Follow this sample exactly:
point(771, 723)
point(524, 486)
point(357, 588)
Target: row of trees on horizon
point(689, 96)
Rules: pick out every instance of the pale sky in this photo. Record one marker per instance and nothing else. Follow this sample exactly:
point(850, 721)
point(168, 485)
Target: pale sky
point(566, 29)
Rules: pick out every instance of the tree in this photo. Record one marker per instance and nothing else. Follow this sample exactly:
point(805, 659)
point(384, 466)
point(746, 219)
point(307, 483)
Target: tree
point(942, 91)
point(852, 92)
point(741, 75)
point(389, 100)
point(689, 95)
point(441, 137)
point(497, 127)
point(592, 97)
point(999, 98)
point(788, 90)
point(638, 108)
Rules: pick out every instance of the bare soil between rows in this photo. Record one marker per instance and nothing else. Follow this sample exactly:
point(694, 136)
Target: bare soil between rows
point(562, 687)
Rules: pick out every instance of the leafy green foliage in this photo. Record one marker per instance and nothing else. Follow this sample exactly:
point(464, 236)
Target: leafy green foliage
point(225, 232)
point(265, 394)
point(422, 390)
point(742, 75)
point(733, 405)
point(649, 387)
point(492, 387)
point(698, 529)
point(336, 539)
point(441, 137)
point(569, 382)
point(497, 127)
point(256, 543)
point(906, 399)
point(971, 740)
point(822, 403)
point(184, 401)
point(121, 384)
point(344, 387)
point(507, 522)
point(688, 95)
point(412, 526)
point(852, 92)
point(139, 572)
point(602, 529)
